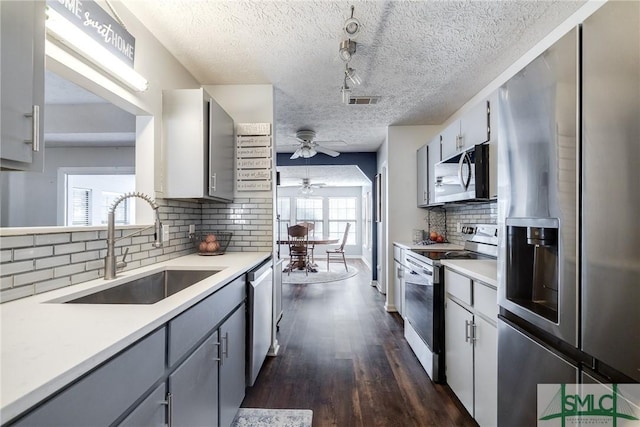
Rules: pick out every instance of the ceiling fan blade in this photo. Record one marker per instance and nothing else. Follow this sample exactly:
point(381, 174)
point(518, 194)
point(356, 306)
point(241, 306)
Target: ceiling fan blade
point(296, 154)
point(327, 151)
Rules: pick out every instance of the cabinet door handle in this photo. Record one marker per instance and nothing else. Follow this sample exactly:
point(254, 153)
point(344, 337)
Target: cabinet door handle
point(169, 404)
point(474, 336)
point(225, 348)
point(212, 182)
point(467, 335)
point(35, 128)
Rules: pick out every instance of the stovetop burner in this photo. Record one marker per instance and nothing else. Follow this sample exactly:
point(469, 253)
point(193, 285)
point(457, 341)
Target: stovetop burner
point(482, 245)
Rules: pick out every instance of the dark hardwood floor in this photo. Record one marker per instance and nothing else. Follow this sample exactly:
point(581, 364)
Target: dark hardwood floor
point(343, 356)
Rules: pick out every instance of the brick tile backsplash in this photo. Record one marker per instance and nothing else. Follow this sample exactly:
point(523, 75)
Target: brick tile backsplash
point(469, 214)
point(36, 263)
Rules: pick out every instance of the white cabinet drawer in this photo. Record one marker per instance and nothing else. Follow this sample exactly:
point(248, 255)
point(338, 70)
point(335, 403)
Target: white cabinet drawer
point(458, 285)
point(485, 300)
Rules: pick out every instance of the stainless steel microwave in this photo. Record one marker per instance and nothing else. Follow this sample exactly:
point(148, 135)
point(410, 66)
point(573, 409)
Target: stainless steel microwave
point(464, 176)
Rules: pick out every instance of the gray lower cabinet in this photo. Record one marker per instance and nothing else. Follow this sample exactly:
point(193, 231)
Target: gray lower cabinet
point(193, 387)
point(232, 365)
point(151, 412)
point(190, 372)
point(100, 397)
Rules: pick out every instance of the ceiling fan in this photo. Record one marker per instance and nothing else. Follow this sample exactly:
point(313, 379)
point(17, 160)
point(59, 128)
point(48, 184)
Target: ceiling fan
point(309, 147)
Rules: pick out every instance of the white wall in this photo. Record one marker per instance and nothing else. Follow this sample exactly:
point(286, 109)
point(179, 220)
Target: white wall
point(402, 214)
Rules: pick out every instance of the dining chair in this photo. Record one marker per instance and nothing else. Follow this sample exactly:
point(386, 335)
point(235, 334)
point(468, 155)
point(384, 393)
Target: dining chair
point(310, 229)
point(337, 254)
point(298, 248)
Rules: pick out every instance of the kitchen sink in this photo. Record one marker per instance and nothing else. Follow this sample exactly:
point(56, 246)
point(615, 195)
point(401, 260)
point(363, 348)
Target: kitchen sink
point(147, 290)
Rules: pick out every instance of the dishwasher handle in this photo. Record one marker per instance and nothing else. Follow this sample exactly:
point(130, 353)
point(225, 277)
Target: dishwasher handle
point(257, 274)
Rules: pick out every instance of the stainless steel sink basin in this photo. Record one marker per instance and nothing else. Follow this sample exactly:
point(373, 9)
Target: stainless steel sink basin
point(147, 290)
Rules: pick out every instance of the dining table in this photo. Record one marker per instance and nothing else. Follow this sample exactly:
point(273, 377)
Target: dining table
point(301, 263)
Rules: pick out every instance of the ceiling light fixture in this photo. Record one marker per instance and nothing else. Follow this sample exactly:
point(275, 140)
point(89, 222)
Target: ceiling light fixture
point(347, 49)
point(346, 92)
point(352, 26)
point(71, 36)
point(352, 75)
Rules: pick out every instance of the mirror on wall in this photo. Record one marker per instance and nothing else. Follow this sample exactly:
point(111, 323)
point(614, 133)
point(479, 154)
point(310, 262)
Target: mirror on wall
point(89, 161)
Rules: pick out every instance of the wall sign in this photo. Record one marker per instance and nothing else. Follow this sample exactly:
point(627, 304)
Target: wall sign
point(94, 21)
point(254, 157)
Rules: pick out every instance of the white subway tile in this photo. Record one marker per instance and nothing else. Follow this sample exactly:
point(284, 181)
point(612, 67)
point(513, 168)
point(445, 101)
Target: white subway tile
point(29, 278)
point(96, 244)
point(50, 285)
point(5, 256)
point(6, 282)
point(84, 277)
point(52, 239)
point(16, 241)
point(30, 253)
point(85, 256)
point(68, 248)
point(16, 267)
point(68, 270)
point(83, 236)
point(16, 293)
point(52, 261)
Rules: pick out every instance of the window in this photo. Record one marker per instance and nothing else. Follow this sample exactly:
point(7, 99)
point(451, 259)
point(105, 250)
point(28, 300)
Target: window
point(81, 198)
point(310, 210)
point(284, 216)
point(122, 215)
point(88, 197)
point(342, 210)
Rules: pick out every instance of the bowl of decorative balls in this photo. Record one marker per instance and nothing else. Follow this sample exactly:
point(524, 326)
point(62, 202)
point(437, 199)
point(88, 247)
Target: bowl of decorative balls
point(212, 242)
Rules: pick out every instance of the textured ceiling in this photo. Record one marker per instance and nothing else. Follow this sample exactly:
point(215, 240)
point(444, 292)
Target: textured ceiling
point(424, 58)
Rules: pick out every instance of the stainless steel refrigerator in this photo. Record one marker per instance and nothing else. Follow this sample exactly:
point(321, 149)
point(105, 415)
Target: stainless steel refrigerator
point(569, 196)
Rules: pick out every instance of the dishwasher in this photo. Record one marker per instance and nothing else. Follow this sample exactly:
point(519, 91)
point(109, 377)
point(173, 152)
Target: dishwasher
point(260, 318)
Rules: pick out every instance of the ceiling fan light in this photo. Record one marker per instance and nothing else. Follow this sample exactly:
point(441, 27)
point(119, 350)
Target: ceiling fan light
point(347, 49)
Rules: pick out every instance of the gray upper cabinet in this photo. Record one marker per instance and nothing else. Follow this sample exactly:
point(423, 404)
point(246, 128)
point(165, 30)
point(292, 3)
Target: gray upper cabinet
point(199, 144)
point(22, 79)
point(422, 157)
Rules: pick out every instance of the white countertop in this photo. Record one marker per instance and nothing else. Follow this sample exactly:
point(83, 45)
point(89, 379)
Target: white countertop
point(436, 247)
point(484, 270)
point(46, 345)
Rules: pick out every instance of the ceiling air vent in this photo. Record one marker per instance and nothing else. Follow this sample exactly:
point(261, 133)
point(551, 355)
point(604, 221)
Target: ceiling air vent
point(364, 100)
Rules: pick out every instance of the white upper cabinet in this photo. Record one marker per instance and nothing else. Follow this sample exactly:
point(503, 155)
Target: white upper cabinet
point(474, 126)
point(423, 175)
point(450, 139)
point(22, 78)
point(471, 129)
point(434, 157)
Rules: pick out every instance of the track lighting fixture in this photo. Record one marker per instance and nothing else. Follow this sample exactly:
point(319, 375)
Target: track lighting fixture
point(352, 26)
point(352, 75)
point(347, 49)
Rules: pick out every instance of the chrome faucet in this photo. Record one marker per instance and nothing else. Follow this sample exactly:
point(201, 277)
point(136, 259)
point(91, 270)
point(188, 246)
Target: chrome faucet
point(110, 264)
